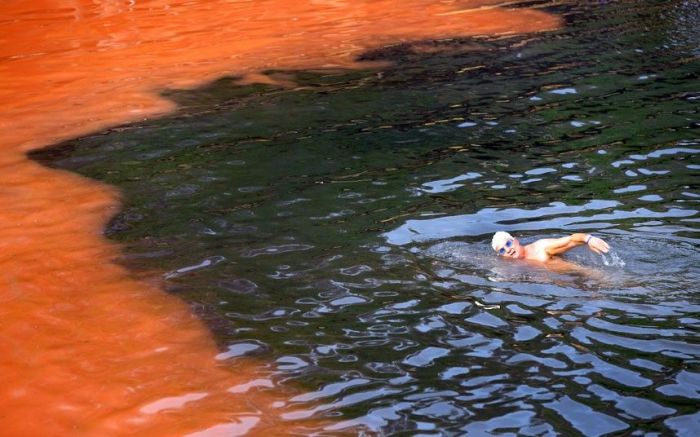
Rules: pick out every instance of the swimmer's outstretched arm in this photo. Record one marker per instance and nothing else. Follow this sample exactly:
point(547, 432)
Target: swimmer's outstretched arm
point(557, 246)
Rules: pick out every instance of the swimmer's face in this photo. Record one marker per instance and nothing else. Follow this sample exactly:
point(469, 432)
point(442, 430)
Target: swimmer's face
point(510, 249)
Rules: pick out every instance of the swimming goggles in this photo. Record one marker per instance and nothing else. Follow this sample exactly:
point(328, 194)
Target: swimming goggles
point(508, 245)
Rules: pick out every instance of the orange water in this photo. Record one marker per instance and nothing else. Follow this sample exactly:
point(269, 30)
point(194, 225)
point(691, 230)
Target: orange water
point(86, 348)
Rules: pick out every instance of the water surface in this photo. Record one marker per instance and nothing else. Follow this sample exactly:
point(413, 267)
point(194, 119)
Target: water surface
point(90, 347)
point(339, 227)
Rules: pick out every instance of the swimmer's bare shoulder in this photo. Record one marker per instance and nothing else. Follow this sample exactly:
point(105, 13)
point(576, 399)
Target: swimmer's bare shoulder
point(546, 248)
point(537, 251)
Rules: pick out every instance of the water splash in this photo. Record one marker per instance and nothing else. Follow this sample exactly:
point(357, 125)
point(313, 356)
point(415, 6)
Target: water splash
point(612, 259)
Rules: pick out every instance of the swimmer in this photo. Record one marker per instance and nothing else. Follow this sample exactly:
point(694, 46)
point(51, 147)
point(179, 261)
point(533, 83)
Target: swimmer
point(545, 249)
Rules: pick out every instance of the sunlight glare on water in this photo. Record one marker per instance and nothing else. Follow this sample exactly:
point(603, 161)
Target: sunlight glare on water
point(336, 223)
point(326, 211)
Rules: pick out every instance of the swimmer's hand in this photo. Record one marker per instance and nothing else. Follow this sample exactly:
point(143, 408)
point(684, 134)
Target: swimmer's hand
point(597, 245)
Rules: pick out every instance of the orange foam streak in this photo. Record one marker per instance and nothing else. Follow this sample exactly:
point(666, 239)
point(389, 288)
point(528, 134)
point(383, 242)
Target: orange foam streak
point(86, 348)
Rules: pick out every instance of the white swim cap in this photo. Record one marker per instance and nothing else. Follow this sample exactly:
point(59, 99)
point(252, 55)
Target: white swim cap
point(499, 239)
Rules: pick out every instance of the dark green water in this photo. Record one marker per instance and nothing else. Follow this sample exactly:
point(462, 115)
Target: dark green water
point(340, 230)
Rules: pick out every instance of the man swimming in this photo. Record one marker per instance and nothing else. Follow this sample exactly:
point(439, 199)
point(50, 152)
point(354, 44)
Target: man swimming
point(545, 249)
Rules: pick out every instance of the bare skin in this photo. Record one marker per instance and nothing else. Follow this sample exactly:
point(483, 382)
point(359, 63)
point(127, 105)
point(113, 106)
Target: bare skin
point(547, 248)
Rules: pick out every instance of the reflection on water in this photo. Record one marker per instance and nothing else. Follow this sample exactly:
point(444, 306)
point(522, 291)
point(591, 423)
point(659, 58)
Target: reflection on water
point(339, 228)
